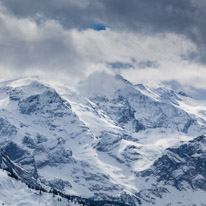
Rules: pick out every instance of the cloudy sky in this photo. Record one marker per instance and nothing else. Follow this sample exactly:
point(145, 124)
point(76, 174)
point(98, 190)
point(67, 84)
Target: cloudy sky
point(147, 41)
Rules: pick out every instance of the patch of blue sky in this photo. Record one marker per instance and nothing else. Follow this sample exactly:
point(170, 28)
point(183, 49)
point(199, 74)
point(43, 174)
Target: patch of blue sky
point(99, 27)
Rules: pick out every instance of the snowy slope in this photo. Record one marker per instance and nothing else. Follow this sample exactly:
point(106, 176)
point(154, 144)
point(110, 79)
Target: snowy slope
point(13, 192)
point(18, 187)
point(94, 145)
point(178, 177)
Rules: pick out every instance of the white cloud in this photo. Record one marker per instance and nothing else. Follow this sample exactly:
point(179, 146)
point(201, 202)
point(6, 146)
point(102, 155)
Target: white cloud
point(28, 47)
point(100, 83)
point(185, 73)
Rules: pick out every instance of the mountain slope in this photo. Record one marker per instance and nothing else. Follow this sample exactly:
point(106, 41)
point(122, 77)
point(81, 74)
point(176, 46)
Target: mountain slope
point(18, 187)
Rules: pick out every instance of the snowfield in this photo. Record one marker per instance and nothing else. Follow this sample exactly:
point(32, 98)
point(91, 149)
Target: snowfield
point(13, 192)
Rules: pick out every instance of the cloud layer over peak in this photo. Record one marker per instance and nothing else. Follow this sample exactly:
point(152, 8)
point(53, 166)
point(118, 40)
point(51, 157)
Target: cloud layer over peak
point(145, 40)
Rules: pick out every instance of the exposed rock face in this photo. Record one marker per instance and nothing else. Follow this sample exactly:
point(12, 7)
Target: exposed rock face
point(17, 172)
point(7, 129)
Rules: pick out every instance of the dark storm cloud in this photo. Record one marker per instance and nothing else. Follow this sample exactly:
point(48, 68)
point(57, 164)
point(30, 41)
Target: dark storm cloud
point(186, 17)
point(175, 15)
point(70, 13)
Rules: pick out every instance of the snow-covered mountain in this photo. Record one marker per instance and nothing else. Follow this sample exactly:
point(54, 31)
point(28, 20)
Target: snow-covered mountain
point(123, 145)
